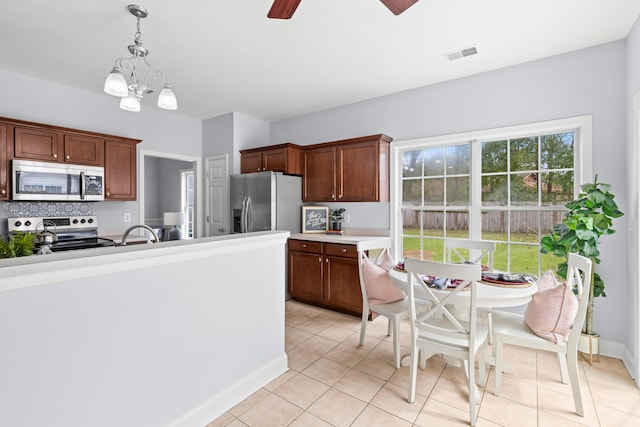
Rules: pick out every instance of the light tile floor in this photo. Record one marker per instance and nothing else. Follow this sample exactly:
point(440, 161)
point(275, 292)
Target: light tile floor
point(334, 382)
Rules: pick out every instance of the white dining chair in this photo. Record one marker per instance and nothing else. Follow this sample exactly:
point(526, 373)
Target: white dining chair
point(511, 328)
point(438, 331)
point(393, 311)
point(475, 251)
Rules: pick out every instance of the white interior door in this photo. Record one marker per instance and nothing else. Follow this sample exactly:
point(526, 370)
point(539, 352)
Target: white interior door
point(217, 195)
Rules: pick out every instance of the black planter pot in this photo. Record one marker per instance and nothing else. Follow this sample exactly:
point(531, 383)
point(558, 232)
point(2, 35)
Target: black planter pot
point(336, 225)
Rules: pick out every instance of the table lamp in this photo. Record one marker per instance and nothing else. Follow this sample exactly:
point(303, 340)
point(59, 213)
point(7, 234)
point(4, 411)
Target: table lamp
point(172, 221)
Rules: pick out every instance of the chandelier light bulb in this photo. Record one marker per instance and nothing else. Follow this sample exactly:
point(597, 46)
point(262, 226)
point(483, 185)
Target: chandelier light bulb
point(130, 103)
point(116, 84)
point(167, 99)
point(140, 73)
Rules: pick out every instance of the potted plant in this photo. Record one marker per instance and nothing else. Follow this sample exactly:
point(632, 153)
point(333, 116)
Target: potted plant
point(336, 216)
point(589, 217)
point(18, 244)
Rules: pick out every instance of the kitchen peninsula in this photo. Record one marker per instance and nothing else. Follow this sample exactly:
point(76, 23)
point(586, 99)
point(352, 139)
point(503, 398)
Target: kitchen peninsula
point(173, 333)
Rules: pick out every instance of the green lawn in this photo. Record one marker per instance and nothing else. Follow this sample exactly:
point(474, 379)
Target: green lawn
point(523, 250)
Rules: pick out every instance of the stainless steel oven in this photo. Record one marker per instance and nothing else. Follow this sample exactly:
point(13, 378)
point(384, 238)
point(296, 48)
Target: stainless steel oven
point(69, 233)
point(56, 181)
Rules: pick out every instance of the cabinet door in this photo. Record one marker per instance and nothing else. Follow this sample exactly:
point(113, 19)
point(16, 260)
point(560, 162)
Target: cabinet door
point(251, 162)
point(120, 170)
point(37, 144)
point(342, 285)
point(83, 150)
point(305, 277)
point(275, 160)
point(318, 180)
point(4, 164)
point(358, 172)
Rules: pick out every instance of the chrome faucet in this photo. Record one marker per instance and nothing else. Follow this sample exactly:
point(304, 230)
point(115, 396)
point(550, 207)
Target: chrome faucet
point(133, 227)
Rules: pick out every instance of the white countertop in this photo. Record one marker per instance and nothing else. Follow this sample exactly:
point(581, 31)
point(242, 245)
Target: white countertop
point(114, 254)
point(345, 239)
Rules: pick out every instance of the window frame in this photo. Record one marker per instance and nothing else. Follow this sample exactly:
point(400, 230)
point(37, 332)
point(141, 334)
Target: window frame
point(581, 125)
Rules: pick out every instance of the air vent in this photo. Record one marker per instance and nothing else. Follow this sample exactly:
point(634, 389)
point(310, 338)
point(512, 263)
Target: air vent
point(461, 53)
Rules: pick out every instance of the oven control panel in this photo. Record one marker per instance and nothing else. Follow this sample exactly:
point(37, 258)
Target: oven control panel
point(34, 224)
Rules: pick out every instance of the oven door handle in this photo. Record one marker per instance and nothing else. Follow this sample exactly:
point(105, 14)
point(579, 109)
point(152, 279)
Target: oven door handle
point(83, 183)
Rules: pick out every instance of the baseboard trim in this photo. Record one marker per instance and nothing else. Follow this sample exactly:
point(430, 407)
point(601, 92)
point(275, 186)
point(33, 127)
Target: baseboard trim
point(221, 402)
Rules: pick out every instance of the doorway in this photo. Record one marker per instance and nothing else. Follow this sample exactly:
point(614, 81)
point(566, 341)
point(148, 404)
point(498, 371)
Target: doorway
point(217, 203)
point(186, 201)
point(160, 192)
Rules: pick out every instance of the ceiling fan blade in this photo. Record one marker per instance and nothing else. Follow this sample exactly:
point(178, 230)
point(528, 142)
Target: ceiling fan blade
point(398, 6)
point(283, 9)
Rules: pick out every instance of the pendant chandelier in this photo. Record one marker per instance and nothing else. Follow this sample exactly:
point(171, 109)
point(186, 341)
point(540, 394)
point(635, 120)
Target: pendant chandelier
point(131, 92)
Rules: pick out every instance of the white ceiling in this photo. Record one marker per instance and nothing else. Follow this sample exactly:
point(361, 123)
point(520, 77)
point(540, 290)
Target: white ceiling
point(226, 55)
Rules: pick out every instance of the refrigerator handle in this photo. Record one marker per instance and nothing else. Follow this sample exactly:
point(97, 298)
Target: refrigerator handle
point(249, 215)
point(243, 225)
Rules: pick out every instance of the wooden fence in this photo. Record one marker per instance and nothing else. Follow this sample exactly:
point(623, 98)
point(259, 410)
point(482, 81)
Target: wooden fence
point(493, 221)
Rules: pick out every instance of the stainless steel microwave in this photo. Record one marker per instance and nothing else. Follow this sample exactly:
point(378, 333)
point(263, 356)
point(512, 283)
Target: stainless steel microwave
point(56, 181)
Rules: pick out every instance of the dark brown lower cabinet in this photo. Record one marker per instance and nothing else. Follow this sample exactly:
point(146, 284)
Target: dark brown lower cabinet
point(326, 275)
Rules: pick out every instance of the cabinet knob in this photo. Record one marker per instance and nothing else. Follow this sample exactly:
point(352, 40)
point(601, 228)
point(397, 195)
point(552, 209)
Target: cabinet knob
point(344, 250)
point(319, 259)
point(68, 157)
point(333, 196)
point(304, 246)
point(108, 194)
point(4, 191)
point(55, 156)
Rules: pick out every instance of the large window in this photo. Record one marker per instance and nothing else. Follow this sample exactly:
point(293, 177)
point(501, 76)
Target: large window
point(507, 185)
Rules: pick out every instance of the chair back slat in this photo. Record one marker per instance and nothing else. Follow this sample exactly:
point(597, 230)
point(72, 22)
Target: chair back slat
point(439, 319)
point(579, 275)
point(477, 251)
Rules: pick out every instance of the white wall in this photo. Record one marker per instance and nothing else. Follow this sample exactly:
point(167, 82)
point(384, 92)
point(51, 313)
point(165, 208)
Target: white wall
point(171, 335)
point(586, 82)
point(633, 215)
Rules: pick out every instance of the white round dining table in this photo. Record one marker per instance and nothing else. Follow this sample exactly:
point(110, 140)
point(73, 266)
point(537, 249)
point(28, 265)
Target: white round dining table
point(487, 296)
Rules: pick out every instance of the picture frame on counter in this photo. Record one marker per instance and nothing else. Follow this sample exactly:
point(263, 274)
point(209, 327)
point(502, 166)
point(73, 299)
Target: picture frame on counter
point(315, 219)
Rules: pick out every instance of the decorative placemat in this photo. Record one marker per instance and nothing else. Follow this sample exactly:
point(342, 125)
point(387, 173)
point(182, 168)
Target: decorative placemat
point(438, 282)
point(508, 280)
point(506, 284)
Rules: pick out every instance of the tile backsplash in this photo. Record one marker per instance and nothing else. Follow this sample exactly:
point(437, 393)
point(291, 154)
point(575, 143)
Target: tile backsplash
point(48, 209)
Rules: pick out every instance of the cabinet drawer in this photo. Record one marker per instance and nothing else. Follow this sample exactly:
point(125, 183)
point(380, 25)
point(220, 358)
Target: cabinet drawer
point(305, 246)
point(346, 251)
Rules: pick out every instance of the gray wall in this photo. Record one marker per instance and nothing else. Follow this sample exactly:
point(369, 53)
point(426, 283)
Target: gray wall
point(590, 81)
point(232, 132)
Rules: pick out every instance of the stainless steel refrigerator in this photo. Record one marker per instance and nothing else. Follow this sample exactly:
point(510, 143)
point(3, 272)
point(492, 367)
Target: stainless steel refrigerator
point(263, 201)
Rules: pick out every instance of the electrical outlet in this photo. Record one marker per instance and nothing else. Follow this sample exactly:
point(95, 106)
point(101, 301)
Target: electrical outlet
point(346, 218)
point(127, 217)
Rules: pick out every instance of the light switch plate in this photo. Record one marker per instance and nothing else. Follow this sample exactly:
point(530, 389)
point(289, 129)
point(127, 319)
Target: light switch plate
point(127, 217)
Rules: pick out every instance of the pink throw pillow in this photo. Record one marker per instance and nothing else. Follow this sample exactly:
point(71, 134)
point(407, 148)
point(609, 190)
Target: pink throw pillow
point(387, 261)
point(380, 289)
point(552, 309)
